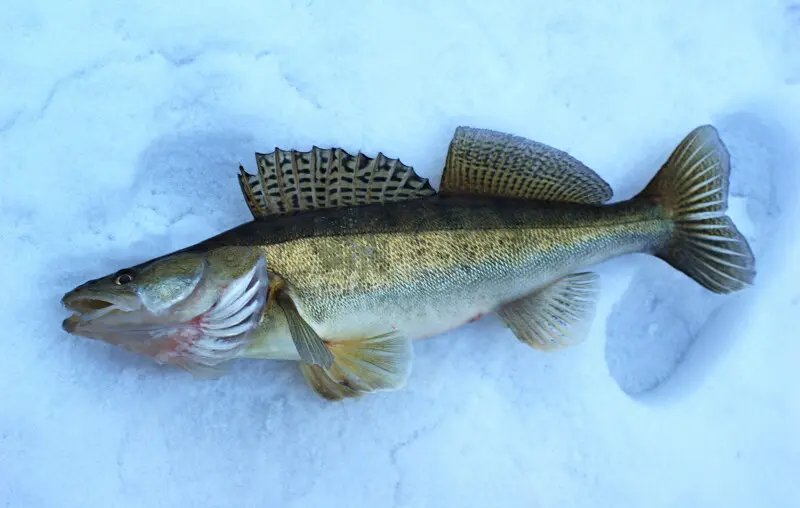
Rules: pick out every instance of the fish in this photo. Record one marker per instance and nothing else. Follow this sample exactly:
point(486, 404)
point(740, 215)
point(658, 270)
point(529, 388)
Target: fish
point(349, 259)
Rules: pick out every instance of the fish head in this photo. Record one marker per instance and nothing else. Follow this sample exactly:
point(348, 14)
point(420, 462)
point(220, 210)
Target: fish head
point(192, 309)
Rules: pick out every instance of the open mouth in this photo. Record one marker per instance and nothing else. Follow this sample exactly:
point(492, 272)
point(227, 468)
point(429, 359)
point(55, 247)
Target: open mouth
point(87, 311)
point(90, 304)
point(90, 308)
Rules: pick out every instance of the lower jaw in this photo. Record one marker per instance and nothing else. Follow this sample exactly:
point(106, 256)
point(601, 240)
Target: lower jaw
point(70, 324)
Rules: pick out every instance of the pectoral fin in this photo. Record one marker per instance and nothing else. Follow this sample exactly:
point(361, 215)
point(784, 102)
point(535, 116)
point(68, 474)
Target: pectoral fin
point(310, 346)
point(556, 316)
point(371, 364)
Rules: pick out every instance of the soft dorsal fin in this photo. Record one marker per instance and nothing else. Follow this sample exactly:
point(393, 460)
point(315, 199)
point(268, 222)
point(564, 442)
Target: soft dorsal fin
point(491, 163)
point(290, 181)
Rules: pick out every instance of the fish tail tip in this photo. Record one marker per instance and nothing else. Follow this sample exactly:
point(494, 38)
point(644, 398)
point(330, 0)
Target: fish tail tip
point(692, 186)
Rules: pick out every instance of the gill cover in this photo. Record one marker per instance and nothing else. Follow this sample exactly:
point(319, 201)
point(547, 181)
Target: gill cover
point(167, 282)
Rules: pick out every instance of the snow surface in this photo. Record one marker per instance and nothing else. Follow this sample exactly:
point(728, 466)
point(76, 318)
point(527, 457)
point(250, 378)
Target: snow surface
point(121, 127)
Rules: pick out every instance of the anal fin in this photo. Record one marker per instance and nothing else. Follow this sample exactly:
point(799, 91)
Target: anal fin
point(555, 316)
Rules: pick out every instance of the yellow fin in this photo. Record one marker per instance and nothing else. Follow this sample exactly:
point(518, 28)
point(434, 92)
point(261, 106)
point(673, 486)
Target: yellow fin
point(324, 385)
point(556, 316)
point(373, 364)
point(291, 181)
point(491, 163)
point(693, 188)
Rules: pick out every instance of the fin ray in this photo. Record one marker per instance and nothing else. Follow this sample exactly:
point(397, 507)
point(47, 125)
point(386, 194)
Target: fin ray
point(382, 362)
point(692, 186)
point(486, 162)
point(324, 385)
point(555, 316)
point(310, 346)
point(365, 365)
point(291, 181)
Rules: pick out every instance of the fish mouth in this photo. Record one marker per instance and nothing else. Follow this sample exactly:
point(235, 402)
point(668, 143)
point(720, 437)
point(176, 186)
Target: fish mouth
point(197, 338)
point(90, 305)
point(88, 308)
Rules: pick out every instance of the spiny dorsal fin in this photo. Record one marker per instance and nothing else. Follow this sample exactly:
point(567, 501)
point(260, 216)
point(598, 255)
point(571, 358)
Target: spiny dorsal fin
point(491, 163)
point(290, 181)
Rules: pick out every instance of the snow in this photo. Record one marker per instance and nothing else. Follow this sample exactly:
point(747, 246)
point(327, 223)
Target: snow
point(121, 127)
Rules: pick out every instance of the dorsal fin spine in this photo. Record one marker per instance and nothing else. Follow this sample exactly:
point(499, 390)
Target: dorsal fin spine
point(293, 181)
point(315, 155)
point(279, 178)
point(392, 168)
point(371, 165)
point(263, 180)
point(339, 172)
point(359, 156)
point(301, 203)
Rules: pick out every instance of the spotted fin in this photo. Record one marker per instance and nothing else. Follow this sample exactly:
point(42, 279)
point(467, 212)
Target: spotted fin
point(291, 181)
point(556, 316)
point(365, 365)
point(491, 163)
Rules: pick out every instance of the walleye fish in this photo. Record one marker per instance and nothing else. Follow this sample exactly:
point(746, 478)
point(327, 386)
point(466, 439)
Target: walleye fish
point(350, 258)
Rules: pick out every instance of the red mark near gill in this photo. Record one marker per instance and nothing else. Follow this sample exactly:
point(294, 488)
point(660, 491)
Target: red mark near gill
point(475, 318)
point(197, 320)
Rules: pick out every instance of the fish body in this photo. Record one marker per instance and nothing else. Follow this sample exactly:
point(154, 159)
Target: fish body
point(433, 264)
point(349, 259)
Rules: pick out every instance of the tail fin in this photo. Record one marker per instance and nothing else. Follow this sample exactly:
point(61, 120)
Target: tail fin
point(693, 188)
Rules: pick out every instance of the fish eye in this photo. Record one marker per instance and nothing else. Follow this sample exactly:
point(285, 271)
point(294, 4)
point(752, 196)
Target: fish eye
point(123, 278)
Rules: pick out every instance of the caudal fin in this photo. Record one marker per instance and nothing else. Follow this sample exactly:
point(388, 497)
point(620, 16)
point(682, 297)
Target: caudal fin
point(693, 188)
